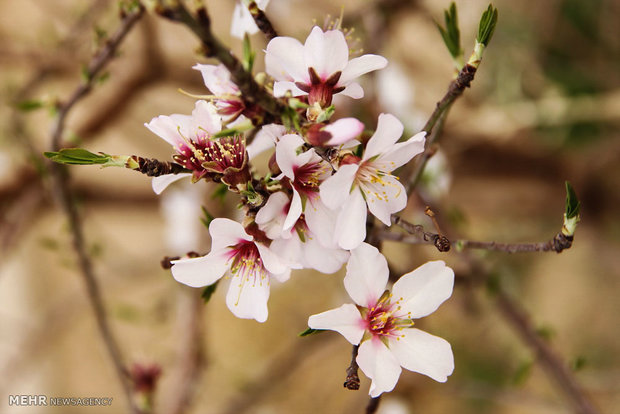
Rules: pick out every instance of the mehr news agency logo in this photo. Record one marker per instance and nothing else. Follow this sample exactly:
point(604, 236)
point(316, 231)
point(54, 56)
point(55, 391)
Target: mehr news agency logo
point(44, 400)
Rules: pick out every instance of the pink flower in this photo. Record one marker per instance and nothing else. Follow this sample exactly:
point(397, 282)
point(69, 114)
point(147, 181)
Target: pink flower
point(366, 182)
point(319, 68)
point(250, 263)
point(227, 97)
point(383, 322)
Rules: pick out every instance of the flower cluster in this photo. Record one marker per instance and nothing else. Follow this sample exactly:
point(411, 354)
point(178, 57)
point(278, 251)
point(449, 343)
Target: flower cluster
point(311, 211)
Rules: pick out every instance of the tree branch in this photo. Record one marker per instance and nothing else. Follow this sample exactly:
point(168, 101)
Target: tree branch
point(261, 20)
point(352, 382)
point(63, 192)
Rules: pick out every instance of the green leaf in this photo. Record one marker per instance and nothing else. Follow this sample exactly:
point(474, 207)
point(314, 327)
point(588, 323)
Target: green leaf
point(523, 372)
point(29, 105)
point(77, 156)
point(220, 192)
point(208, 291)
point(451, 34)
point(311, 331)
point(488, 21)
point(229, 132)
point(207, 219)
point(578, 363)
point(572, 202)
point(248, 54)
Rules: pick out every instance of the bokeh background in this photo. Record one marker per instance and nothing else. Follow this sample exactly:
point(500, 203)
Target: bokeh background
point(544, 108)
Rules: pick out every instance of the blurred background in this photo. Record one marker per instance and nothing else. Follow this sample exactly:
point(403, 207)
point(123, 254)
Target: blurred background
point(544, 108)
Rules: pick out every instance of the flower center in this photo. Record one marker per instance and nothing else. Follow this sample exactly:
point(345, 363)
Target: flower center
point(373, 183)
point(224, 153)
point(246, 263)
point(380, 320)
point(308, 177)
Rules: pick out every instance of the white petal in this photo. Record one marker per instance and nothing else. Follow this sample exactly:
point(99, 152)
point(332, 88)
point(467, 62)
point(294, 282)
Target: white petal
point(270, 218)
point(284, 60)
point(265, 138)
point(217, 79)
point(351, 224)
point(385, 197)
point(326, 52)
point(294, 211)
point(422, 352)
point(226, 232)
point(242, 22)
point(361, 65)
point(401, 152)
point(162, 182)
point(281, 87)
point(335, 190)
point(205, 116)
point(271, 261)
point(380, 365)
point(367, 275)
point(324, 259)
point(247, 298)
point(389, 130)
point(201, 271)
point(289, 249)
point(353, 90)
point(343, 130)
point(421, 291)
point(167, 127)
point(346, 320)
point(321, 221)
point(286, 153)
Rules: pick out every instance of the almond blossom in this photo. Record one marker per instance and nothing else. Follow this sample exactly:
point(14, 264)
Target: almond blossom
point(319, 68)
point(382, 322)
point(366, 181)
point(227, 96)
point(249, 261)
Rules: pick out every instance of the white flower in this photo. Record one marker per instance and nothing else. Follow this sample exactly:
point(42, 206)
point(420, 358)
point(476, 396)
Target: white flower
point(319, 68)
point(299, 244)
point(250, 263)
point(367, 181)
point(242, 21)
point(383, 321)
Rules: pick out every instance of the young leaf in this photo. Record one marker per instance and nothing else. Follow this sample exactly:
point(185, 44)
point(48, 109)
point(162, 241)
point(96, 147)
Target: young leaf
point(572, 203)
point(310, 331)
point(488, 21)
point(29, 105)
point(77, 156)
point(208, 291)
point(451, 34)
point(207, 219)
point(248, 54)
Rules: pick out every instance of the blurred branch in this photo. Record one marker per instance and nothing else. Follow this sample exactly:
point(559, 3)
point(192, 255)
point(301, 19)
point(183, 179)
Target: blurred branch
point(373, 405)
point(549, 360)
point(261, 20)
point(417, 235)
point(60, 179)
point(252, 92)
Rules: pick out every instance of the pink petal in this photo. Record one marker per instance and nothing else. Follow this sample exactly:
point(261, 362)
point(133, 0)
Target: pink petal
point(351, 225)
point(335, 190)
point(385, 197)
point(326, 52)
point(380, 365)
point(286, 153)
point(361, 65)
point(422, 352)
point(281, 87)
point(162, 182)
point(294, 211)
point(226, 232)
point(346, 320)
point(206, 118)
point(201, 271)
point(389, 130)
point(421, 291)
point(217, 79)
point(247, 298)
point(167, 127)
point(367, 275)
point(343, 130)
point(265, 139)
point(284, 60)
point(353, 90)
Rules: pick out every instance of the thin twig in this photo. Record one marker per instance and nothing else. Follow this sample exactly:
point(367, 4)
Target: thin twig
point(373, 405)
point(352, 382)
point(550, 361)
point(251, 91)
point(60, 179)
point(261, 20)
point(417, 235)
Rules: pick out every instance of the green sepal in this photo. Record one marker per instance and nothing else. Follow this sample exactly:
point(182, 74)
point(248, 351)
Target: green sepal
point(208, 291)
point(451, 34)
point(326, 114)
point(572, 202)
point(311, 331)
point(220, 192)
point(248, 54)
point(488, 21)
point(77, 156)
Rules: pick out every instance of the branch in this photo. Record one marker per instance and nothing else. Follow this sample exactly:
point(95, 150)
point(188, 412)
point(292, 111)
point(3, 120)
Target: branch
point(261, 20)
point(417, 235)
point(352, 381)
point(550, 361)
point(251, 91)
point(60, 179)
point(373, 405)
